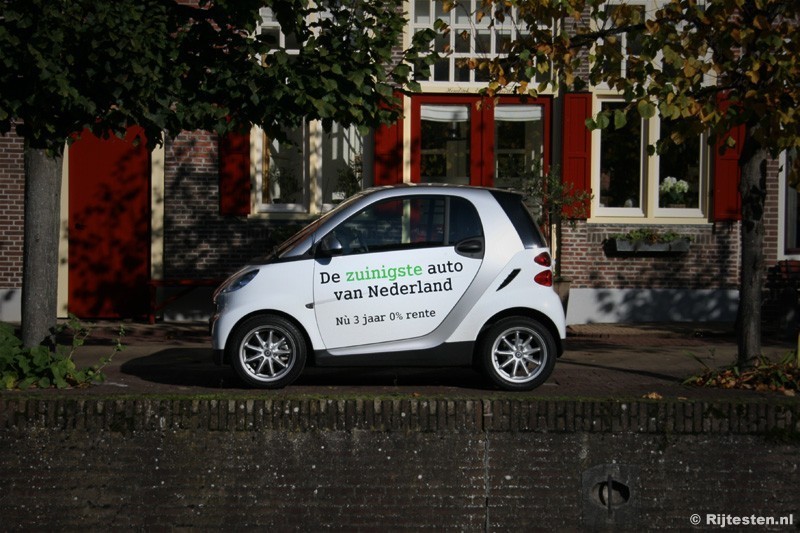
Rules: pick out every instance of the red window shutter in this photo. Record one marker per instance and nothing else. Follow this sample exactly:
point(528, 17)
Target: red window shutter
point(388, 166)
point(727, 174)
point(577, 142)
point(234, 174)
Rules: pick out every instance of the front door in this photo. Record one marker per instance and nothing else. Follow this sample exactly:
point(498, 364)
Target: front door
point(404, 265)
point(109, 214)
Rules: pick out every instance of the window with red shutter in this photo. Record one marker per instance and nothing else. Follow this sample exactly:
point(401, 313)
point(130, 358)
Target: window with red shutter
point(234, 174)
point(577, 142)
point(388, 163)
point(472, 140)
point(727, 174)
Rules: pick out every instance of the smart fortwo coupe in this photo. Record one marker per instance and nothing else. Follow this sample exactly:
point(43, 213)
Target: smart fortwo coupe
point(410, 275)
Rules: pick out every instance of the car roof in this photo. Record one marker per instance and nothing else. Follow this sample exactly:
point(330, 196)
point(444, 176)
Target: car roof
point(440, 186)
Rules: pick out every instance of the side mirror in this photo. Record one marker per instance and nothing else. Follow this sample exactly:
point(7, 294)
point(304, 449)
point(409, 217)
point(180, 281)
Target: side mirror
point(329, 246)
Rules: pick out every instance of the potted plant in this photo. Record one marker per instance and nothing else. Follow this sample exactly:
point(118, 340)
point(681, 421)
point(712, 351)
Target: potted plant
point(554, 201)
point(673, 192)
point(350, 179)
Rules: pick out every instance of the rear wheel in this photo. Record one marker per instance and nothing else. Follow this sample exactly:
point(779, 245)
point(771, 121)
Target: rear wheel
point(267, 351)
point(518, 353)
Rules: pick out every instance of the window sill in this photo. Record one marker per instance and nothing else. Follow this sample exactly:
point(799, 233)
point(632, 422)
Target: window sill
point(284, 216)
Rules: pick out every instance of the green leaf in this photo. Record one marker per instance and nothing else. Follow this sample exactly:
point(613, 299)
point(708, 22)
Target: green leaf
point(9, 380)
point(23, 368)
point(620, 119)
point(646, 109)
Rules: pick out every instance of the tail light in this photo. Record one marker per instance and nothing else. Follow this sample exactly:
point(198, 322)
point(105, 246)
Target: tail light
point(545, 277)
point(543, 259)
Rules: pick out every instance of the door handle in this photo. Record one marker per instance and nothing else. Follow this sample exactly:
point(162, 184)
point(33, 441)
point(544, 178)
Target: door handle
point(470, 247)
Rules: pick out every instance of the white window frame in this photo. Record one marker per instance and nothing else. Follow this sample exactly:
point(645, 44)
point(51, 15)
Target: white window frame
point(259, 168)
point(597, 140)
point(460, 19)
point(527, 114)
point(649, 6)
point(623, 39)
point(259, 146)
point(313, 140)
point(649, 210)
point(457, 167)
point(702, 183)
point(787, 209)
point(268, 22)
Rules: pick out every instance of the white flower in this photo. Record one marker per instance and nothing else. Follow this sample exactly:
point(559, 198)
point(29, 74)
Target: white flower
point(667, 184)
point(674, 185)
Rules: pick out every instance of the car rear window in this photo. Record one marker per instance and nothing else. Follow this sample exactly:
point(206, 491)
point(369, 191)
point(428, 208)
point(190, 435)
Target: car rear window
point(522, 219)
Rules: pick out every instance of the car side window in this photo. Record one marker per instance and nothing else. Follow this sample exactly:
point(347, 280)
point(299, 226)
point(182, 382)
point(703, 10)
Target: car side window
point(463, 222)
point(409, 223)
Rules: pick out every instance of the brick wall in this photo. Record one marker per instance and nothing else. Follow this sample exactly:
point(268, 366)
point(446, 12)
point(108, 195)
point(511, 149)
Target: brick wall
point(468, 465)
point(12, 198)
point(772, 244)
point(711, 263)
point(198, 241)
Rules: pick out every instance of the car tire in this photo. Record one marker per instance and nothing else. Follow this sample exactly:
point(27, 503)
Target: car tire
point(518, 354)
point(267, 351)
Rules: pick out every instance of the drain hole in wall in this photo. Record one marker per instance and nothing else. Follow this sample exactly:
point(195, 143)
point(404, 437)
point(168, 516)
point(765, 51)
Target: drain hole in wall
point(611, 493)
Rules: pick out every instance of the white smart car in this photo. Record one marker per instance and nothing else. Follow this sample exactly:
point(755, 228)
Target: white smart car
point(410, 275)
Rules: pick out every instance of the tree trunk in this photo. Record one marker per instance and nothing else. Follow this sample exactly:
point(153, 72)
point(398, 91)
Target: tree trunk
point(40, 255)
point(753, 188)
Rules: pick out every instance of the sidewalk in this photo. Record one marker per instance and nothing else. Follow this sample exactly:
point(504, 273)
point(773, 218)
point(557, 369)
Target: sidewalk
point(601, 361)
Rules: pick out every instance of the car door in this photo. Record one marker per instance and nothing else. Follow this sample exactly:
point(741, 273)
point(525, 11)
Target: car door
point(396, 269)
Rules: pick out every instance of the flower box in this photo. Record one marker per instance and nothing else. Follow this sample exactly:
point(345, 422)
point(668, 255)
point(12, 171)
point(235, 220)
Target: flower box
point(629, 247)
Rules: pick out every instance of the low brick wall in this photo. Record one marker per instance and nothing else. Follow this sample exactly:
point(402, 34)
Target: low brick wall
point(469, 465)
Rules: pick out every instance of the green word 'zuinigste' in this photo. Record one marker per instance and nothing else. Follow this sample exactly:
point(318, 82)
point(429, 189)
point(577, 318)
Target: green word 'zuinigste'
point(390, 273)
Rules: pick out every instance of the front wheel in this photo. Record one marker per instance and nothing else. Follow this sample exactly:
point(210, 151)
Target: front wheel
point(518, 354)
point(267, 351)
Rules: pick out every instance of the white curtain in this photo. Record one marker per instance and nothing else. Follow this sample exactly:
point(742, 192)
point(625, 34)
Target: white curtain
point(444, 113)
point(518, 113)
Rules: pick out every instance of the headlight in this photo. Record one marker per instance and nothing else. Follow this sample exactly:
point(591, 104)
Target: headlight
point(240, 282)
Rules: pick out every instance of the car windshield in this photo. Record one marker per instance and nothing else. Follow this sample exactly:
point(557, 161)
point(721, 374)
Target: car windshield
point(286, 246)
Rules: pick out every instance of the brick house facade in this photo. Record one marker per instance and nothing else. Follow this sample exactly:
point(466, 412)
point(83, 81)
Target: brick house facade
point(218, 203)
point(195, 240)
point(12, 199)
